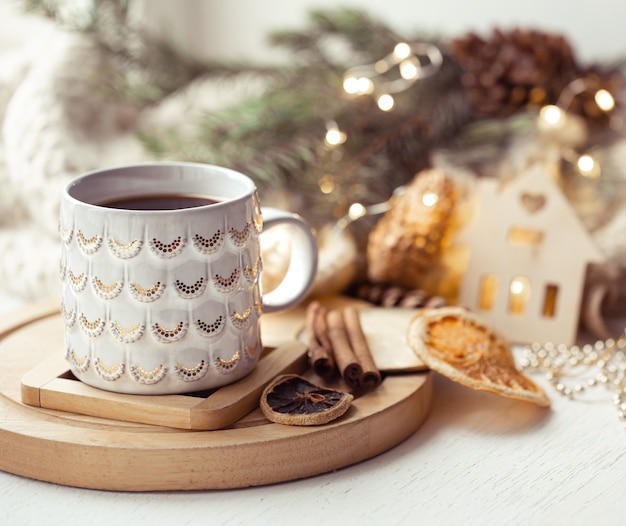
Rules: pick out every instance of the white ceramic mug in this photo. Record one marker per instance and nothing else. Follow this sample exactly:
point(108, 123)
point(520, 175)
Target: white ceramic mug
point(162, 301)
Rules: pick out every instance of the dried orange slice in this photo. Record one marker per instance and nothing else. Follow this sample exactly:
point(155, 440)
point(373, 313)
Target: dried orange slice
point(292, 400)
point(459, 345)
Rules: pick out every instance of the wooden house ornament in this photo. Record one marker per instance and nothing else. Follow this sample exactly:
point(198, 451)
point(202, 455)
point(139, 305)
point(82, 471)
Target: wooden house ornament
point(528, 256)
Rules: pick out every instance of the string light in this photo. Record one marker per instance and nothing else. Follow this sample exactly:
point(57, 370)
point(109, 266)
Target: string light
point(604, 100)
point(430, 199)
point(413, 61)
point(588, 167)
point(334, 136)
point(356, 211)
point(552, 115)
point(385, 102)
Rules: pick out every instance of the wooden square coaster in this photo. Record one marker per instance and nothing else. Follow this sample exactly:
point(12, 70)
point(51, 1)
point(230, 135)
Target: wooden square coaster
point(52, 385)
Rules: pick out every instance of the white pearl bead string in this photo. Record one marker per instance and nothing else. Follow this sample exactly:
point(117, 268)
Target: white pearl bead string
point(602, 364)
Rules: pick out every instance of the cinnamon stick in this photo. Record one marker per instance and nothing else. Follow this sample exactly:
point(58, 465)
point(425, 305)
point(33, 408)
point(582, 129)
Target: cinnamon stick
point(370, 375)
point(320, 349)
point(348, 365)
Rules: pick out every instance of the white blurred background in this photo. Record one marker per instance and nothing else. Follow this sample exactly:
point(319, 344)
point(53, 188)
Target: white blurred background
point(237, 28)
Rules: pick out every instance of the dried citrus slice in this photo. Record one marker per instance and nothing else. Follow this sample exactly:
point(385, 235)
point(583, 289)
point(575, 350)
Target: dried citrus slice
point(293, 400)
point(457, 344)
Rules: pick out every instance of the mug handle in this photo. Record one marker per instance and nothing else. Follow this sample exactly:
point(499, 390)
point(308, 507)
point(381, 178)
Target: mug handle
point(300, 274)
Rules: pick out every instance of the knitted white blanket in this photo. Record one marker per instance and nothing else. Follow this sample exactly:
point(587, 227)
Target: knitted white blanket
point(57, 122)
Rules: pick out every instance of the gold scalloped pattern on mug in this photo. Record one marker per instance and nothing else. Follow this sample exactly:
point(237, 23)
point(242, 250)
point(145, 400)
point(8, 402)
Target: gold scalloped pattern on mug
point(108, 372)
point(77, 281)
point(253, 350)
point(91, 328)
point(68, 315)
point(167, 250)
point(66, 233)
point(124, 250)
point(240, 321)
point(143, 376)
point(251, 273)
point(258, 223)
point(146, 295)
point(227, 284)
point(240, 237)
point(62, 271)
point(190, 291)
point(210, 329)
point(209, 245)
point(104, 291)
point(127, 334)
point(88, 245)
point(78, 364)
point(169, 335)
point(226, 366)
point(191, 374)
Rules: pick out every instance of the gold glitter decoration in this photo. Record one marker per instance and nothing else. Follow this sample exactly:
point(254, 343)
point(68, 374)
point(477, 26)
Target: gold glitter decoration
point(88, 245)
point(167, 250)
point(66, 233)
point(77, 281)
point(142, 376)
point(209, 245)
point(165, 335)
point(190, 291)
point(211, 329)
point(68, 315)
point(146, 295)
point(127, 335)
point(91, 328)
point(240, 237)
point(78, 364)
point(240, 321)
point(227, 284)
point(251, 273)
point(106, 292)
point(226, 366)
point(253, 350)
point(191, 374)
point(124, 250)
point(108, 372)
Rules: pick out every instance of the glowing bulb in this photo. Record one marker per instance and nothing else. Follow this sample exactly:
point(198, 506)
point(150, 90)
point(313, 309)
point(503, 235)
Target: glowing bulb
point(365, 85)
point(408, 70)
point(402, 50)
point(588, 167)
point(430, 199)
point(357, 85)
point(335, 137)
point(327, 184)
point(517, 287)
point(385, 102)
point(356, 211)
point(604, 100)
point(351, 85)
point(552, 115)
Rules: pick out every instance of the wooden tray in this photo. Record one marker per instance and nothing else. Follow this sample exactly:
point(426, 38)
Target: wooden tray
point(93, 452)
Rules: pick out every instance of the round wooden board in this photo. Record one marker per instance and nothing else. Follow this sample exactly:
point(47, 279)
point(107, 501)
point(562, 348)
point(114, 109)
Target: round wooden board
point(96, 453)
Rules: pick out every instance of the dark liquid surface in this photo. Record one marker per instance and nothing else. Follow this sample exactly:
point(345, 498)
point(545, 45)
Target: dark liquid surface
point(160, 202)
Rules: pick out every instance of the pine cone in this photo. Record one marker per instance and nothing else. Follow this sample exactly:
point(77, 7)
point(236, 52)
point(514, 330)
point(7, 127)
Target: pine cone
point(521, 68)
point(408, 239)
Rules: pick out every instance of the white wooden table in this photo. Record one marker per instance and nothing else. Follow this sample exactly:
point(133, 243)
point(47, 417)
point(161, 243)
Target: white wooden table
point(478, 459)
